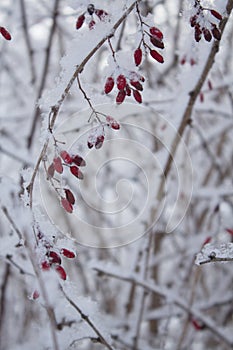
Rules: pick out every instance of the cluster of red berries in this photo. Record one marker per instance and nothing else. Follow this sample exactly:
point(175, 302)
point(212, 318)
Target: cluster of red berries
point(91, 10)
point(97, 136)
point(73, 162)
point(204, 27)
point(5, 33)
point(126, 84)
point(156, 38)
point(51, 258)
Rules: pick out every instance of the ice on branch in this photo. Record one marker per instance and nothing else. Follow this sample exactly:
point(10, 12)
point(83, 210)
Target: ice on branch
point(212, 253)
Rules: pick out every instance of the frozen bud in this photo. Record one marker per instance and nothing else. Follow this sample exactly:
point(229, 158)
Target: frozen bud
point(156, 42)
point(109, 85)
point(137, 85)
point(156, 33)
point(99, 141)
point(156, 56)
point(66, 157)
point(51, 170)
point(91, 24)
point(68, 253)
point(207, 34)
point(5, 33)
point(138, 56)
point(90, 9)
point(69, 196)
point(216, 14)
point(67, 205)
point(120, 96)
point(80, 21)
point(76, 172)
point(121, 82)
point(137, 96)
point(78, 160)
point(101, 14)
point(54, 258)
point(61, 272)
point(58, 165)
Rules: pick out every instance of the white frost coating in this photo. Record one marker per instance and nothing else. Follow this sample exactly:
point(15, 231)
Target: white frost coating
point(211, 252)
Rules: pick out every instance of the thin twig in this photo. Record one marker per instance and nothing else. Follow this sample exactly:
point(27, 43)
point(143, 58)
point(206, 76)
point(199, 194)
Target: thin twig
point(28, 41)
point(44, 73)
point(88, 321)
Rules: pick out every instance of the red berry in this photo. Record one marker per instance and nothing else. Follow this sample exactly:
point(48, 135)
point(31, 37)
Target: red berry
point(207, 240)
point(230, 231)
point(68, 253)
point(156, 42)
point(137, 85)
point(80, 21)
point(198, 325)
point(78, 160)
point(120, 96)
point(197, 33)
point(183, 60)
point(109, 85)
point(193, 21)
point(101, 14)
point(216, 14)
point(201, 97)
point(45, 266)
point(58, 165)
point(113, 123)
point(156, 32)
point(207, 34)
point(216, 32)
point(54, 258)
point(69, 196)
point(192, 61)
point(127, 90)
point(137, 96)
point(66, 157)
point(76, 172)
point(210, 86)
point(91, 24)
point(61, 272)
point(51, 170)
point(138, 56)
point(67, 205)
point(99, 141)
point(156, 56)
point(35, 295)
point(121, 82)
point(5, 33)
